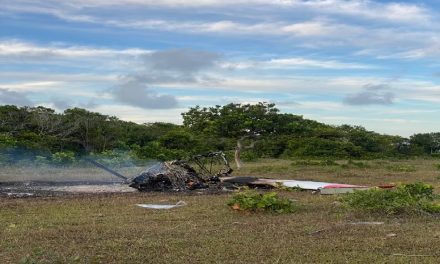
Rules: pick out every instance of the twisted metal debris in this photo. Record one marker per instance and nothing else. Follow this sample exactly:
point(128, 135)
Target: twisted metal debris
point(198, 172)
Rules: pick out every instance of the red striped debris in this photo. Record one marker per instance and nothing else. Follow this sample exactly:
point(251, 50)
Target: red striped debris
point(321, 187)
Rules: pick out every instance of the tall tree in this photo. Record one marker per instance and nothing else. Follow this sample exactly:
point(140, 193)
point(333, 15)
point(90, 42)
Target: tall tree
point(239, 121)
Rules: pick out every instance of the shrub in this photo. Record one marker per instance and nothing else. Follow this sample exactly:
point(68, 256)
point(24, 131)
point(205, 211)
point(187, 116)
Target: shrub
point(417, 197)
point(6, 140)
point(254, 201)
point(63, 158)
point(41, 160)
point(249, 156)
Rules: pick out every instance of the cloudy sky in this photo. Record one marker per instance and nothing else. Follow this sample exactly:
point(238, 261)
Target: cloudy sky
point(359, 62)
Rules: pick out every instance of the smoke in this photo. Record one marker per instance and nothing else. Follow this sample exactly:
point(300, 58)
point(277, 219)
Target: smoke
point(24, 165)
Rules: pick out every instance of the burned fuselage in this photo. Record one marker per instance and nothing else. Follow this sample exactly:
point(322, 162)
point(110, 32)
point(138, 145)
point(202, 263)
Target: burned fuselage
point(171, 175)
point(198, 172)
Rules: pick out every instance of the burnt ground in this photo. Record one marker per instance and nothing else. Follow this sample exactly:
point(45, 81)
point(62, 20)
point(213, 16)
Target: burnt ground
point(52, 189)
point(34, 189)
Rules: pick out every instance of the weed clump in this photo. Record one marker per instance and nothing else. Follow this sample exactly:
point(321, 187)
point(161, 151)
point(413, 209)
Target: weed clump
point(254, 201)
point(405, 198)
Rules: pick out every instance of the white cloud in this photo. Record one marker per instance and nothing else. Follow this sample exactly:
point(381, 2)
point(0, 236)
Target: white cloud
point(395, 12)
point(320, 27)
point(314, 33)
point(409, 13)
point(34, 86)
point(294, 63)
point(139, 115)
point(321, 105)
point(25, 49)
point(57, 77)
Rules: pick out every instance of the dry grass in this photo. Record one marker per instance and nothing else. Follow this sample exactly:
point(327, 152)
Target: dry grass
point(111, 229)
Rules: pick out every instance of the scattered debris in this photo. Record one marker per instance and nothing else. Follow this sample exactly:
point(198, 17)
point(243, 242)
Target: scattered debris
point(212, 170)
point(318, 231)
point(418, 255)
point(366, 223)
point(312, 185)
point(162, 206)
point(19, 195)
point(321, 187)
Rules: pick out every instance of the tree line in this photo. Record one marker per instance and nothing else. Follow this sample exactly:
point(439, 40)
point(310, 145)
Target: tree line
point(260, 130)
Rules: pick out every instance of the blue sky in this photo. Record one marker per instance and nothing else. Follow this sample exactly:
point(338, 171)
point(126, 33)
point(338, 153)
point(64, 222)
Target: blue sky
point(360, 62)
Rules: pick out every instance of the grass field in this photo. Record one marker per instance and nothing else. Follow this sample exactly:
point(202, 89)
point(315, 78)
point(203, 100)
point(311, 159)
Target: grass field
point(109, 228)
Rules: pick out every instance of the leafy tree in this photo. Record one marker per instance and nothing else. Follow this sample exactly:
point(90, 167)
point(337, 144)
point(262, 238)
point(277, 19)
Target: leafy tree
point(429, 142)
point(240, 121)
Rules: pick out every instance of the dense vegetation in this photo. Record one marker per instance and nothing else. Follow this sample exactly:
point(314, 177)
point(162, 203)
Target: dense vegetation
point(40, 134)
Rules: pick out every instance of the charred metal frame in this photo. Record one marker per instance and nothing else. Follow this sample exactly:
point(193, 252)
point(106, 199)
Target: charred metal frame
point(203, 161)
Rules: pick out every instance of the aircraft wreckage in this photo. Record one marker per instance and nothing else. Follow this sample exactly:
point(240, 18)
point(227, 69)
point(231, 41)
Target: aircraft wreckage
point(198, 172)
point(212, 171)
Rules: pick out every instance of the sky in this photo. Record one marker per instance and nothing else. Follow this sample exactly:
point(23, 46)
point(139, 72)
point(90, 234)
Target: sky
point(362, 62)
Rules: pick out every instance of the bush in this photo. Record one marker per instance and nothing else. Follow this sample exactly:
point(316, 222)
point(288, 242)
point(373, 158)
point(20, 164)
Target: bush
point(254, 201)
point(417, 197)
point(248, 156)
point(63, 158)
point(41, 160)
point(6, 140)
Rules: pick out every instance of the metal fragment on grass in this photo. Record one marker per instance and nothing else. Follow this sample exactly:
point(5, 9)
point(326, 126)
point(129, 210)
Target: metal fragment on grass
point(162, 206)
point(366, 223)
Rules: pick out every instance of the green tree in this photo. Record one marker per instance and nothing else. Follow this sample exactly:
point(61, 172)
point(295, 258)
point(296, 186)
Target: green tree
point(239, 121)
point(428, 142)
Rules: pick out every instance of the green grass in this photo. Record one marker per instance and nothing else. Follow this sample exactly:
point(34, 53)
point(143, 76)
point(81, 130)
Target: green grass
point(109, 228)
